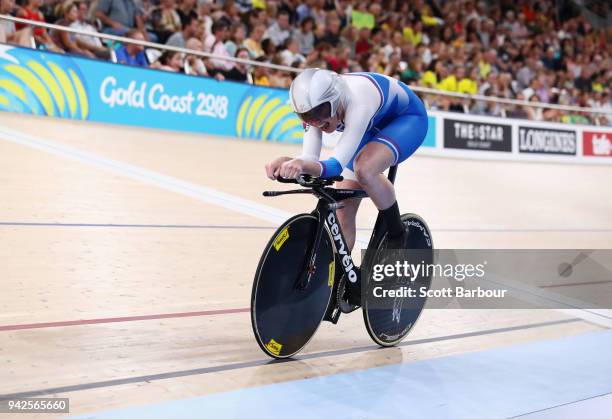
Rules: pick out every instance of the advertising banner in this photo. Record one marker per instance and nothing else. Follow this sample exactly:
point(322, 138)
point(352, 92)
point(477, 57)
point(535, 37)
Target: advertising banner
point(49, 84)
point(597, 144)
point(547, 140)
point(468, 135)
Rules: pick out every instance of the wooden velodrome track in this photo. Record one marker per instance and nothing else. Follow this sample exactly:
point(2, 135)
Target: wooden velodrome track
point(120, 289)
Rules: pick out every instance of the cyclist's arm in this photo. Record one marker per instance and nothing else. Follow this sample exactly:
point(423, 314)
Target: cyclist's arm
point(311, 147)
point(356, 122)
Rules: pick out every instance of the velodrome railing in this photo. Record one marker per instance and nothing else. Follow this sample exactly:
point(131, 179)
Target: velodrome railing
point(575, 109)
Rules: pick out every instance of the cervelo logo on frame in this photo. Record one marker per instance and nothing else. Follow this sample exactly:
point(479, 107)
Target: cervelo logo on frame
point(597, 144)
point(346, 259)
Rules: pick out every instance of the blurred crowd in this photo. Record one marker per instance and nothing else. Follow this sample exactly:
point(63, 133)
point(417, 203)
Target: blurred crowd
point(534, 51)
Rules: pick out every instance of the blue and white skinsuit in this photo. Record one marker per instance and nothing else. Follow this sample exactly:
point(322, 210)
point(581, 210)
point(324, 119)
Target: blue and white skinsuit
point(379, 108)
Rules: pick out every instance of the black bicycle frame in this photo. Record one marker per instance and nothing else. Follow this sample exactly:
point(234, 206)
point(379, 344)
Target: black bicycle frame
point(325, 212)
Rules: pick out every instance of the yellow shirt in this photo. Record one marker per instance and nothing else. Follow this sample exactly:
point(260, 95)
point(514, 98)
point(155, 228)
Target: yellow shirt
point(467, 85)
point(415, 38)
point(449, 84)
point(429, 20)
point(485, 69)
point(429, 79)
point(262, 81)
point(254, 48)
point(597, 87)
point(259, 4)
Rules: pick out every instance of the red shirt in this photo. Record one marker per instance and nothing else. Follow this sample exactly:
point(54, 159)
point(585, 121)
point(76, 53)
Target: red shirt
point(32, 15)
point(362, 46)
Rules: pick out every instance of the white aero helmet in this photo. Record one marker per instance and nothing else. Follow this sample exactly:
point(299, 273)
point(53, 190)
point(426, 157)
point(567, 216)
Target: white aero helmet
point(316, 94)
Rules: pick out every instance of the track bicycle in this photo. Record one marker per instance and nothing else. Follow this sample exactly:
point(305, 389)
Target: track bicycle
point(306, 271)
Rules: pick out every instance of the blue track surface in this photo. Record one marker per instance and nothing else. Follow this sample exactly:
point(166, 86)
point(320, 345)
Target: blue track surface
point(499, 383)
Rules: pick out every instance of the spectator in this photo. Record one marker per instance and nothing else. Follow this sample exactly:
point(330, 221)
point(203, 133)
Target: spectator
point(414, 71)
point(305, 36)
point(290, 53)
point(89, 43)
point(584, 80)
point(395, 45)
point(448, 80)
point(488, 63)
point(487, 32)
point(533, 113)
point(468, 84)
point(193, 63)
point(526, 73)
point(518, 111)
point(215, 44)
point(363, 46)
point(9, 33)
point(430, 77)
point(170, 61)
point(31, 11)
point(304, 10)
point(66, 40)
point(204, 13)
point(240, 72)
point(253, 42)
point(268, 47)
point(165, 20)
point(393, 67)
point(255, 17)
point(519, 28)
point(317, 11)
point(187, 11)
point(260, 74)
point(550, 61)
point(414, 34)
point(377, 36)
point(339, 61)
point(119, 17)
point(193, 28)
point(280, 29)
point(278, 78)
point(236, 39)
point(132, 54)
point(332, 33)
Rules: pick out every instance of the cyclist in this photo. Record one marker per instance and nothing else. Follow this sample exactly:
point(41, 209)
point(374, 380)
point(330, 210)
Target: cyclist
point(382, 123)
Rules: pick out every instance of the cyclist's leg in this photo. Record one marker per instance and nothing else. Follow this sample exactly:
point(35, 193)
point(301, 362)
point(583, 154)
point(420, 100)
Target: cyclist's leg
point(347, 214)
point(369, 165)
point(391, 145)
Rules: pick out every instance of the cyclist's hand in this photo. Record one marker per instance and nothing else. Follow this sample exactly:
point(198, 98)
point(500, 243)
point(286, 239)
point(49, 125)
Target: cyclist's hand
point(292, 169)
point(273, 168)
